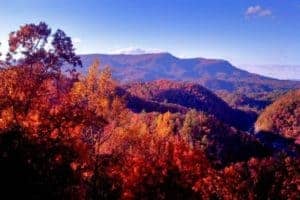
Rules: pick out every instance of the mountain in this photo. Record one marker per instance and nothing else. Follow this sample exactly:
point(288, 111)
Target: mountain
point(282, 117)
point(178, 96)
point(215, 74)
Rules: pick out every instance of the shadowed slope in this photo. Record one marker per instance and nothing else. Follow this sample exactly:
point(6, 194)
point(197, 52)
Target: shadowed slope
point(190, 96)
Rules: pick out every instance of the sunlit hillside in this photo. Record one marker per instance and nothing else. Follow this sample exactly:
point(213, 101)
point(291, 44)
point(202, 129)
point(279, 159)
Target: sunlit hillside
point(71, 135)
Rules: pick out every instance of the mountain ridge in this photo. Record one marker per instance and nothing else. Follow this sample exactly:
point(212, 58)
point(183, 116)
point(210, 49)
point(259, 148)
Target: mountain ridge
point(215, 74)
point(186, 96)
point(202, 60)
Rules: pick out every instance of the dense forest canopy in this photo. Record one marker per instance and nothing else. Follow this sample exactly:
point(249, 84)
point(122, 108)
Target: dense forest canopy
point(282, 117)
point(71, 136)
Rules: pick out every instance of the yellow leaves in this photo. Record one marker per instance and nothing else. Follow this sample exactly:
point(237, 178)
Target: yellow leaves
point(106, 82)
point(98, 90)
point(93, 73)
point(77, 92)
point(164, 124)
point(263, 125)
point(102, 104)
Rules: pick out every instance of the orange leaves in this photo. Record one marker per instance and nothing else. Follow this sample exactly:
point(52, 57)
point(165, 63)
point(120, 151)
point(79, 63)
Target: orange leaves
point(32, 120)
point(77, 92)
point(6, 118)
point(282, 116)
point(82, 126)
point(151, 157)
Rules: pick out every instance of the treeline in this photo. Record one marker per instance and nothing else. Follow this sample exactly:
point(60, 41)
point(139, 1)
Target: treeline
point(68, 136)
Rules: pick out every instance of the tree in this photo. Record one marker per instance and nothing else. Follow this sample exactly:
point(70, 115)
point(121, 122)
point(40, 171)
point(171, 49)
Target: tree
point(31, 42)
point(99, 90)
point(190, 128)
point(33, 70)
point(40, 128)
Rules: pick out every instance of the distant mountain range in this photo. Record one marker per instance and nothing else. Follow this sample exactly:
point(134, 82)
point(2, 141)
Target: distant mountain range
point(215, 74)
point(286, 72)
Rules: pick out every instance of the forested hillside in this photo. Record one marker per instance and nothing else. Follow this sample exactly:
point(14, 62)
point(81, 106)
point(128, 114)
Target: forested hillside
point(282, 117)
point(192, 96)
point(66, 135)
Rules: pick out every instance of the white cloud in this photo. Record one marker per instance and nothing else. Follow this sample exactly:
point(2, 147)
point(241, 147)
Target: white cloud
point(258, 11)
point(76, 40)
point(134, 51)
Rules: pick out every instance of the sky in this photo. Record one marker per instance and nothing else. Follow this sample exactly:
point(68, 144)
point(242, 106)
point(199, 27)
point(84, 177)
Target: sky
point(241, 31)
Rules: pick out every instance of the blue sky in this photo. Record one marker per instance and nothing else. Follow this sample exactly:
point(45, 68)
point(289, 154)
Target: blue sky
point(241, 31)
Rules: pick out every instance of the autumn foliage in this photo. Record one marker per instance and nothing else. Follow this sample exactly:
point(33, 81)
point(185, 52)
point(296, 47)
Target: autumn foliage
point(282, 117)
point(68, 136)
